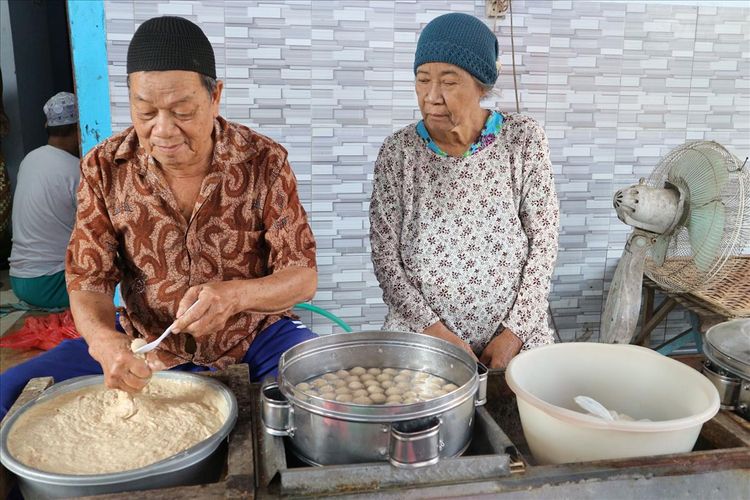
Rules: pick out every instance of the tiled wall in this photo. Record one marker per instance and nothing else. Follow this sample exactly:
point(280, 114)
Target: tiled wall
point(615, 84)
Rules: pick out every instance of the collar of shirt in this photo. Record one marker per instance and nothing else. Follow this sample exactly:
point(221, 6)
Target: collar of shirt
point(486, 137)
point(228, 143)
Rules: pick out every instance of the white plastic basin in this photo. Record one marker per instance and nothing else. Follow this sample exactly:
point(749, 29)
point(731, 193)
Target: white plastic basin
point(628, 379)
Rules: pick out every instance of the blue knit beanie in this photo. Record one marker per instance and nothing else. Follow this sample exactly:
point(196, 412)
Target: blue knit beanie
point(461, 40)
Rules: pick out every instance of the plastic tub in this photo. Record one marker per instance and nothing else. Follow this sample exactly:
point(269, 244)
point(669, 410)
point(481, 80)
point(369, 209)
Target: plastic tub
point(628, 379)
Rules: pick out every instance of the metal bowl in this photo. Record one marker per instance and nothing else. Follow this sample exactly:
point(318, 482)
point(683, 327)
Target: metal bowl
point(191, 466)
point(324, 432)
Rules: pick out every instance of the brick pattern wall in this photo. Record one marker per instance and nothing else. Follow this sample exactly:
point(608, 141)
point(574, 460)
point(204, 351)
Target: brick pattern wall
point(616, 85)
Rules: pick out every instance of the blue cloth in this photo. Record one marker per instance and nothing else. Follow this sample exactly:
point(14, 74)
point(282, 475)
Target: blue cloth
point(72, 359)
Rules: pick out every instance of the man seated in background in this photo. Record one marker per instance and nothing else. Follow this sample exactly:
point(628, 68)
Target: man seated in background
point(44, 208)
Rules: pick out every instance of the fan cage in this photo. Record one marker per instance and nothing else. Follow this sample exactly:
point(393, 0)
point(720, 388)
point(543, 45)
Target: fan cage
point(679, 272)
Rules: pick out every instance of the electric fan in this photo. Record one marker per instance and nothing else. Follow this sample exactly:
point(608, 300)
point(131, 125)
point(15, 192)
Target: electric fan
point(689, 217)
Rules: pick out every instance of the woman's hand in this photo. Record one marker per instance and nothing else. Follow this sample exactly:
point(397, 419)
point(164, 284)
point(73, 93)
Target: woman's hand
point(440, 331)
point(501, 349)
point(219, 301)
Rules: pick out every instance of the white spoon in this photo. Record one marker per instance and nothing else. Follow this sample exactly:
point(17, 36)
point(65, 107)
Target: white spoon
point(153, 345)
point(594, 407)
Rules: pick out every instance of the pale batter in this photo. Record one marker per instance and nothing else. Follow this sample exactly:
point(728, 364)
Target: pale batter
point(96, 430)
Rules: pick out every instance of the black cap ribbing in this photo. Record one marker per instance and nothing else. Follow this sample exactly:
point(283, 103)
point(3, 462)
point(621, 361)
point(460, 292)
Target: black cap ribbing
point(171, 43)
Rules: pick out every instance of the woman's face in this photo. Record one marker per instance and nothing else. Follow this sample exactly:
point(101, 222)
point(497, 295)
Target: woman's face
point(448, 95)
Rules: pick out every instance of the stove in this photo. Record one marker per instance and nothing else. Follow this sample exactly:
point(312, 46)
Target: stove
point(281, 472)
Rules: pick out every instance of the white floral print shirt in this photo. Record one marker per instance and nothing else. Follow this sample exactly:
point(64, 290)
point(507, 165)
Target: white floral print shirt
point(470, 241)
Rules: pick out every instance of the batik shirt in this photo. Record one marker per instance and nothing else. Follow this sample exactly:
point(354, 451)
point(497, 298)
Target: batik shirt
point(247, 223)
point(470, 241)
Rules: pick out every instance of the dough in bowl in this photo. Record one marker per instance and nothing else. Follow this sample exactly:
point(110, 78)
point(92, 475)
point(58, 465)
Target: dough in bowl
point(95, 430)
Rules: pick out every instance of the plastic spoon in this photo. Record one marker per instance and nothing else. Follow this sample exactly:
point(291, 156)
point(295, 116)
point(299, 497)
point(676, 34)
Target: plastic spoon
point(594, 407)
point(153, 345)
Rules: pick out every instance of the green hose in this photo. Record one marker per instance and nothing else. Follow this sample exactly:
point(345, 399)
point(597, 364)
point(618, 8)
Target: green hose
point(323, 312)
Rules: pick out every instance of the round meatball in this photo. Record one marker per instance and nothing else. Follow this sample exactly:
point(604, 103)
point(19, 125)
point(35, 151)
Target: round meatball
point(366, 376)
point(343, 390)
point(360, 392)
point(384, 376)
point(369, 383)
point(330, 376)
point(326, 388)
point(319, 382)
point(358, 370)
point(450, 387)
point(344, 398)
point(351, 378)
point(338, 383)
point(394, 391)
point(373, 371)
point(394, 398)
point(330, 396)
point(362, 400)
point(303, 386)
point(387, 384)
point(401, 378)
point(342, 374)
point(390, 371)
point(378, 397)
point(355, 385)
point(372, 389)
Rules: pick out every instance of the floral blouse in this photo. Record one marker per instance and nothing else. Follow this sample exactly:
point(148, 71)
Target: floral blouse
point(470, 241)
point(486, 137)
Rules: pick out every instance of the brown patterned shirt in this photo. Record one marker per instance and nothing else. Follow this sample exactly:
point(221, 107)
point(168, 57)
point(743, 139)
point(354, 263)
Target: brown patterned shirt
point(247, 223)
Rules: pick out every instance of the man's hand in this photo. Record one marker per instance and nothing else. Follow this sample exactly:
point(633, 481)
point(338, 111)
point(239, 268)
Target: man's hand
point(219, 301)
point(122, 370)
point(440, 331)
point(501, 349)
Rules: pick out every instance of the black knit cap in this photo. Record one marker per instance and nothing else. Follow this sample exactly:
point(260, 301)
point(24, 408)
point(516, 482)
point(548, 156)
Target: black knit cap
point(171, 43)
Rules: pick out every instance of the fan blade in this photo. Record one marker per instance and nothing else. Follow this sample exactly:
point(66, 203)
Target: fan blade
point(706, 229)
point(624, 299)
point(703, 171)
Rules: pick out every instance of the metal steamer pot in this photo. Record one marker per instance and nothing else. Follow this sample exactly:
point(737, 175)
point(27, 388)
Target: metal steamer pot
point(323, 432)
point(201, 462)
point(727, 350)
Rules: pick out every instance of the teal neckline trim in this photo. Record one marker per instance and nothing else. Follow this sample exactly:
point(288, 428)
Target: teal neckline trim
point(488, 135)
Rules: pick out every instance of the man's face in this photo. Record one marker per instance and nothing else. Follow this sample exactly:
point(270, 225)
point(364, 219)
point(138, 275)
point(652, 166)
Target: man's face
point(173, 115)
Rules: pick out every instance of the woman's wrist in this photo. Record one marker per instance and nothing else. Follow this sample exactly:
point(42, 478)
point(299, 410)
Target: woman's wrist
point(514, 341)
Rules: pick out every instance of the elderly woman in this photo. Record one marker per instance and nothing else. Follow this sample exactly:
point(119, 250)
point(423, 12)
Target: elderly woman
point(464, 215)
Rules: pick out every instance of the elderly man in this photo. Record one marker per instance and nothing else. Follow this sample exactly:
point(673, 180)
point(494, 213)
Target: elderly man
point(44, 208)
point(185, 209)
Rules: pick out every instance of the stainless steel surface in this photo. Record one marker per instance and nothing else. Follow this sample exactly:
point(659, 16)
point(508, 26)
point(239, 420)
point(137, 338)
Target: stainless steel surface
point(727, 349)
point(728, 345)
point(276, 411)
point(483, 372)
point(743, 400)
point(187, 467)
point(415, 443)
point(485, 458)
point(727, 385)
point(329, 432)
